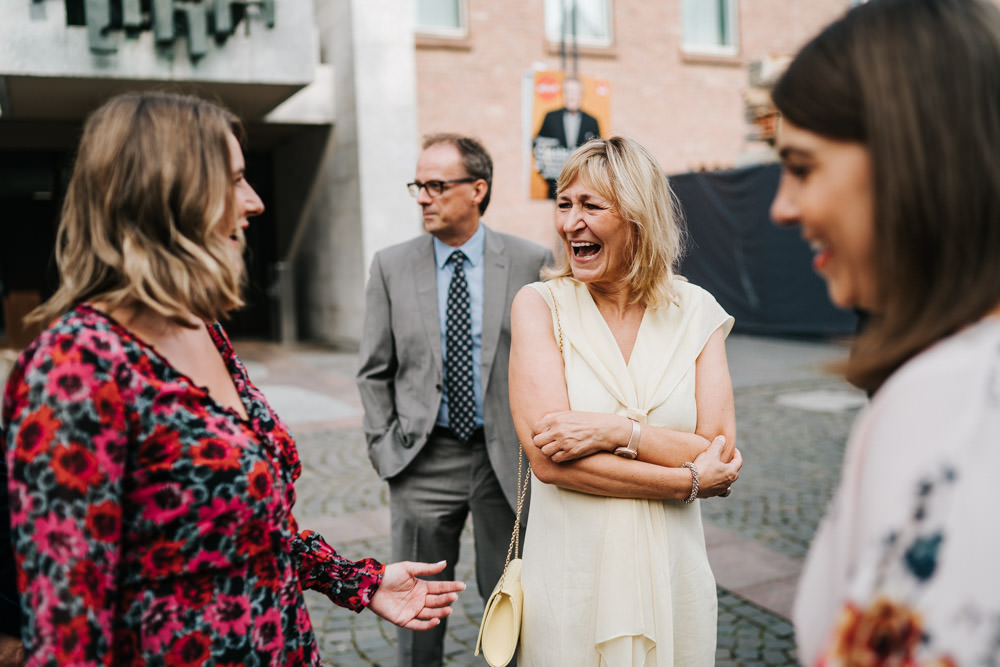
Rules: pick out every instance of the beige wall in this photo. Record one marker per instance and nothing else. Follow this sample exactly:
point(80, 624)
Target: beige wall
point(688, 112)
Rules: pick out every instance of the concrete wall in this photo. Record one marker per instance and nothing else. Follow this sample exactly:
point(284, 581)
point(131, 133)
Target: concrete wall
point(362, 204)
point(35, 41)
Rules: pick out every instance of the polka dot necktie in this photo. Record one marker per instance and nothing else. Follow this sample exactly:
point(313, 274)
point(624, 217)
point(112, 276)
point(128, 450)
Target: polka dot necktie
point(458, 366)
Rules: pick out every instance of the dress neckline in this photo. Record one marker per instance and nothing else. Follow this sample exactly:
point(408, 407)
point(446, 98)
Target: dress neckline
point(150, 349)
point(610, 334)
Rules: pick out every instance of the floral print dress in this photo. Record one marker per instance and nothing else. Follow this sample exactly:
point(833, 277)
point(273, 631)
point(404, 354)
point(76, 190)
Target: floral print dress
point(151, 525)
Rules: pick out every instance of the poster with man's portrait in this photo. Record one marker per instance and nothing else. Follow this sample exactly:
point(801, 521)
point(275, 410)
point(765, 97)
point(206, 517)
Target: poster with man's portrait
point(567, 112)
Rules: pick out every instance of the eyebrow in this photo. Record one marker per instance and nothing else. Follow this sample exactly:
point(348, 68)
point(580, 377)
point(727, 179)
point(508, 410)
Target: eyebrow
point(792, 151)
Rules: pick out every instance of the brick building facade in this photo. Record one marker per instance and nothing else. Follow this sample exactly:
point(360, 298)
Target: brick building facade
point(686, 107)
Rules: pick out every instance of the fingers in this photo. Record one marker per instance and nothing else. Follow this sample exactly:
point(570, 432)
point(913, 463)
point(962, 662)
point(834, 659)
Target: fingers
point(430, 615)
point(437, 606)
point(444, 587)
point(417, 624)
point(737, 459)
point(424, 569)
point(543, 423)
point(735, 465)
point(727, 450)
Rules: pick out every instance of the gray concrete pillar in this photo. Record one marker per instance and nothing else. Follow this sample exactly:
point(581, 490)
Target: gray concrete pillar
point(363, 205)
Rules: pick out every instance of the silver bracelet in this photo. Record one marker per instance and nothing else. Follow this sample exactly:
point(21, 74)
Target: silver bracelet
point(694, 483)
point(628, 451)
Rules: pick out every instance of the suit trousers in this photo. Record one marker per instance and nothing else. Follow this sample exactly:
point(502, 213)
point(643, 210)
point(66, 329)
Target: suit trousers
point(429, 504)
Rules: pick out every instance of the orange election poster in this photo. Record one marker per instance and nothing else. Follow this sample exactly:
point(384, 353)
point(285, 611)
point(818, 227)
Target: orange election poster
point(566, 113)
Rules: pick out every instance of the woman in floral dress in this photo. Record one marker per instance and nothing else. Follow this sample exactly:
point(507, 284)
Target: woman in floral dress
point(151, 484)
point(890, 142)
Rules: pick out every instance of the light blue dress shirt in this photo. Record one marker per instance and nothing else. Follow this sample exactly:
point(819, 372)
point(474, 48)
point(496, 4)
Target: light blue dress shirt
point(475, 275)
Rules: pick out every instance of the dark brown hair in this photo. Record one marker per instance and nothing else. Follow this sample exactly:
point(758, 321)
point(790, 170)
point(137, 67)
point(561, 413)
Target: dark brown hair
point(918, 83)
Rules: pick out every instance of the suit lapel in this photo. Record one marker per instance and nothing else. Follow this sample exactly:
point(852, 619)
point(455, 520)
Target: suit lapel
point(424, 272)
point(578, 140)
point(495, 277)
point(561, 128)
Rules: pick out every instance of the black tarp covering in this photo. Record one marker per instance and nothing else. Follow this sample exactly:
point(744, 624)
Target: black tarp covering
point(759, 272)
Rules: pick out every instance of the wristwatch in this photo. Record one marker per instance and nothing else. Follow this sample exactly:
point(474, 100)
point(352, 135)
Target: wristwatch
point(631, 449)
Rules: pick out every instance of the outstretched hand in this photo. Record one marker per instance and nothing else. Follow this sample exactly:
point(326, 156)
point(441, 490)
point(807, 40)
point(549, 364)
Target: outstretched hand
point(412, 603)
point(715, 473)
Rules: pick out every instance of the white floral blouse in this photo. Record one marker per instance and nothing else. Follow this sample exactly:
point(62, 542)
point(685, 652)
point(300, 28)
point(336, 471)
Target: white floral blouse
point(905, 568)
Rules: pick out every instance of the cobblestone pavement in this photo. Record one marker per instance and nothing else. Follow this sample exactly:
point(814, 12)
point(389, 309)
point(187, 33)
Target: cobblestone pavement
point(792, 461)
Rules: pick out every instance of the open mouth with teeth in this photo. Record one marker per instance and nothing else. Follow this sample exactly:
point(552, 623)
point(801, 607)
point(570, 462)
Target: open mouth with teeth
point(821, 254)
point(584, 248)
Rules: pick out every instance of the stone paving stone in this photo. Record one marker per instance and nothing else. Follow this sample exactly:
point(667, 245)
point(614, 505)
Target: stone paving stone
point(792, 464)
point(793, 459)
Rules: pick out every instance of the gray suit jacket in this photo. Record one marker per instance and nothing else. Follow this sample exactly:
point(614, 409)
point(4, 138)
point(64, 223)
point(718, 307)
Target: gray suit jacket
point(401, 372)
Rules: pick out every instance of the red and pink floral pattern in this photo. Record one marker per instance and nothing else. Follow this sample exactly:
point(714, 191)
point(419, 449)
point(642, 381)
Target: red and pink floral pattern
point(151, 525)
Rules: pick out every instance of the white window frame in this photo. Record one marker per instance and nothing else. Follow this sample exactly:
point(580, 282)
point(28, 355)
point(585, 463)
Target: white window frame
point(733, 19)
point(553, 25)
point(459, 32)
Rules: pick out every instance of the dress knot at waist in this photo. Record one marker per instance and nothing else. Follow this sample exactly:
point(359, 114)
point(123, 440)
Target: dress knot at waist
point(637, 414)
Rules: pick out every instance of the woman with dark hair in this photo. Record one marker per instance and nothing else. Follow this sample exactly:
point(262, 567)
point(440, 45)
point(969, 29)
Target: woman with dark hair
point(890, 142)
point(151, 484)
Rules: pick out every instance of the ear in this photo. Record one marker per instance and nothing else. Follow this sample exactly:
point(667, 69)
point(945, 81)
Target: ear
point(479, 190)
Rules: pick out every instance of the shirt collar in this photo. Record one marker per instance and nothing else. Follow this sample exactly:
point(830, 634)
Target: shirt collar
point(473, 248)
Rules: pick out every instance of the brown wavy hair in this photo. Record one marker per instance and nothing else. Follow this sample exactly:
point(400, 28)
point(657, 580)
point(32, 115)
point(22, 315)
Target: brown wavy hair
point(146, 209)
point(628, 176)
point(918, 83)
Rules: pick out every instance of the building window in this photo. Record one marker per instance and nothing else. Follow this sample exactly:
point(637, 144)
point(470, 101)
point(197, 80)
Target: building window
point(710, 27)
point(441, 18)
point(593, 21)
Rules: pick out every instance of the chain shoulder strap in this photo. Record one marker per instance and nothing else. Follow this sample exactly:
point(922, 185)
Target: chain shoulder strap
point(555, 309)
point(522, 492)
point(523, 481)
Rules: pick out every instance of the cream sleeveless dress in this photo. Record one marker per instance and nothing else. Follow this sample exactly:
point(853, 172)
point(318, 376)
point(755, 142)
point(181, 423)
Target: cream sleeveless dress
point(614, 581)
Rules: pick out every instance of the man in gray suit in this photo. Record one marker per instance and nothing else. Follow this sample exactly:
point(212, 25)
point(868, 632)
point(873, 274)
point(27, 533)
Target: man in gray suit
point(433, 373)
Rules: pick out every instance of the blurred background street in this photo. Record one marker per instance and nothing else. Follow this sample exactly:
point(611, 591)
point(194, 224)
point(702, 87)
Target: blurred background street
point(792, 418)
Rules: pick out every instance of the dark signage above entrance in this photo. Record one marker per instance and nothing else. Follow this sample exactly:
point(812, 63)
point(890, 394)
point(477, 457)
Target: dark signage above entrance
point(197, 20)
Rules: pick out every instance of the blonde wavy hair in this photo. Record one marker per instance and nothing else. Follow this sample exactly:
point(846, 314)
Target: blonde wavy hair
point(146, 211)
point(625, 174)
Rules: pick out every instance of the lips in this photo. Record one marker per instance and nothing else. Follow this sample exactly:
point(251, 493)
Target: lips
point(821, 255)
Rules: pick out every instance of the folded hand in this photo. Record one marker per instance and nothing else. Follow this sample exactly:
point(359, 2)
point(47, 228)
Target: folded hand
point(572, 434)
point(715, 474)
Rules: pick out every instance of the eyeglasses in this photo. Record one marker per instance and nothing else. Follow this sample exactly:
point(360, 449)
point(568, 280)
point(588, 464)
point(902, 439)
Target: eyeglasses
point(435, 188)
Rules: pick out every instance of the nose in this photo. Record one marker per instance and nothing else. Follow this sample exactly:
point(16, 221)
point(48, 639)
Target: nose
point(423, 197)
point(570, 219)
point(250, 202)
point(784, 208)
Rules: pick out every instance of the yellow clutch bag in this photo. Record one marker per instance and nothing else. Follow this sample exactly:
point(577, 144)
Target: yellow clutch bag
point(501, 625)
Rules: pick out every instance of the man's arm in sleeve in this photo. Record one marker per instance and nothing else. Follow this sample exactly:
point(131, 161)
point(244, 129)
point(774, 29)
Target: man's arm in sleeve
point(377, 360)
